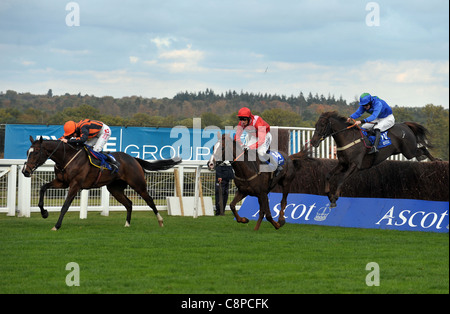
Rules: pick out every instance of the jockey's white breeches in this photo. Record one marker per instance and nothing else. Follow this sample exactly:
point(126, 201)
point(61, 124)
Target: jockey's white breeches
point(262, 149)
point(382, 124)
point(101, 139)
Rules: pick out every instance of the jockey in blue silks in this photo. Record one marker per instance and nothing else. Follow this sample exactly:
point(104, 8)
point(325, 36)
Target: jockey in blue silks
point(381, 118)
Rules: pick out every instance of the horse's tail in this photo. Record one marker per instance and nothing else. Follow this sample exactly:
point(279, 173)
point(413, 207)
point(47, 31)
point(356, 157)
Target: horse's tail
point(159, 164)
point(421, 133)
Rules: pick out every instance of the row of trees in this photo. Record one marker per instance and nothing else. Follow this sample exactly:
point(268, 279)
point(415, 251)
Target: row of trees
point(213, 109)
point(29, 108)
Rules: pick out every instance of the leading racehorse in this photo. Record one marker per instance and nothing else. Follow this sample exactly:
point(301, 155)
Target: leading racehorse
point(408, 138)
point(73, 171)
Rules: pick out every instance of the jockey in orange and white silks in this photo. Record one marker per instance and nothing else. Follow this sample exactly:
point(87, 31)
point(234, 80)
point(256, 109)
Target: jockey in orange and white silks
point(90, 132)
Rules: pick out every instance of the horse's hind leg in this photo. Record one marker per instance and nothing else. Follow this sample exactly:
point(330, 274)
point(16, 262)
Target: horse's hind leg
point(281, 219)
point(264, 210)
point(141, 188)
point(117, 190)
point(149, 200)
point(425, 152)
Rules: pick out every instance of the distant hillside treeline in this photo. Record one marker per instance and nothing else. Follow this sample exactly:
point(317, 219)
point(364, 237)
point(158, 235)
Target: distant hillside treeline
point(214, 109)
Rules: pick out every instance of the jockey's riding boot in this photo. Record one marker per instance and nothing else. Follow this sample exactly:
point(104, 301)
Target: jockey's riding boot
point(377, 140)
point(270, 162)
point(277, 171)
point(113, 162)
point(273, 164)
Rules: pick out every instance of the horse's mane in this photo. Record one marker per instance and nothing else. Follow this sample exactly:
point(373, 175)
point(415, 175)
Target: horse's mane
point(71, 145)
point(333, 114)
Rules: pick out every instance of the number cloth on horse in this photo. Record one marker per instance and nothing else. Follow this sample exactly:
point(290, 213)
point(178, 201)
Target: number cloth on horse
point(384, 139)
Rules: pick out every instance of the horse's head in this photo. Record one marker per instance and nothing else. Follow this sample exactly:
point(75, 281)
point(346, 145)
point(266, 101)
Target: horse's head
point(225, 149)
point(36, 156)
point(229, 148)
point(322, 129)
point(329, 123)
point(212, 162)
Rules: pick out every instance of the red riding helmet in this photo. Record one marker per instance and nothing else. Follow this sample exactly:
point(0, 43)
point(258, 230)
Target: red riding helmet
point(244, 112)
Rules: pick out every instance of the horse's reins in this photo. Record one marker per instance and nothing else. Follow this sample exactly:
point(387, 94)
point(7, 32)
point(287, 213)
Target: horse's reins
point(240, 155)
point(48, 157)
point(322, 137)
point(79, 151)
point(54, 151)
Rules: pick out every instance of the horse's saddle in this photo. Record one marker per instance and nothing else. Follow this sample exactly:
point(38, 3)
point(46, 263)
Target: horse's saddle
point(384, 139)
point(99, 160)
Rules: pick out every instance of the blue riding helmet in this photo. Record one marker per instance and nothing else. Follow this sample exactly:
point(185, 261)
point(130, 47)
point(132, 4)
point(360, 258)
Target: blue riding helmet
point(365, 99)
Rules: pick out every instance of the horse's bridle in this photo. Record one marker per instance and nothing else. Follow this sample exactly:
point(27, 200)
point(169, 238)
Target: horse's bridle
point(40, 155)
point(324, 135)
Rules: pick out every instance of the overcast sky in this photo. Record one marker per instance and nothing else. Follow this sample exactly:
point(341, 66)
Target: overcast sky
point(397, 50)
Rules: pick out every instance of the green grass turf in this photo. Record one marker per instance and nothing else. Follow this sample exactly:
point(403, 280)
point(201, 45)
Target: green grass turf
point(214, 255)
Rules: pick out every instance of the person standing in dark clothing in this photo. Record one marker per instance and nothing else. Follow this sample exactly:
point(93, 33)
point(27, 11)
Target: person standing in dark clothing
point(224, 174)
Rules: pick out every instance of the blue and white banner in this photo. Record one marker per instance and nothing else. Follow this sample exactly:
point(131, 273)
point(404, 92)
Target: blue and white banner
point(141, 142)
point(377, 213)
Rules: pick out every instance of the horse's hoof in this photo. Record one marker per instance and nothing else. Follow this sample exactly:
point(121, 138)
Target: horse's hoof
point(332, 205)
point(54, 229)
point(244, 220)
point(160, 220)
point(127, 224)
point(44, 214)
point(282, 222)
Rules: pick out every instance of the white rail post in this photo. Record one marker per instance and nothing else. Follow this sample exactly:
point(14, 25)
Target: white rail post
point(197, 190)
point(24, 196)
point(84, 197)
point(11, 199)
point(104, 201)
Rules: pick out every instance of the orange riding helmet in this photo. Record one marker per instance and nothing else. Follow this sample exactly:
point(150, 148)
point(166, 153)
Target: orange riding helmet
point(69, 128)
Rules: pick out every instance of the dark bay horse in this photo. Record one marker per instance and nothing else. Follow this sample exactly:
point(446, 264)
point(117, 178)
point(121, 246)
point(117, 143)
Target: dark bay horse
point(73, 171)
point(408, 138)
point(250, 180)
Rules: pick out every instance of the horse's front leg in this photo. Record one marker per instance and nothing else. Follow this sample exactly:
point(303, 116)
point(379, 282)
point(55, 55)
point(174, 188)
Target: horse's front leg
point(73, 190)
point(238, 197)
point(334, 193)
point(55, 184)
point(339, 167)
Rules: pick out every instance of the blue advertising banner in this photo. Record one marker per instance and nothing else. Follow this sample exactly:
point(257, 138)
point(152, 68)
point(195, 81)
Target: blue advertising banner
point(140, 142)
point(372, 213)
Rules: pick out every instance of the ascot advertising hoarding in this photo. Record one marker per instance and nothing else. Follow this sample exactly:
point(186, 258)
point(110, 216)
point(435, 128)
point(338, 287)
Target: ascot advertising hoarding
point(141, 142)
point(372, 213)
